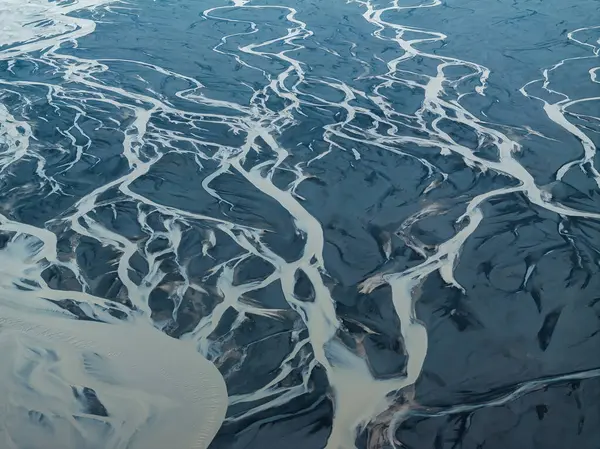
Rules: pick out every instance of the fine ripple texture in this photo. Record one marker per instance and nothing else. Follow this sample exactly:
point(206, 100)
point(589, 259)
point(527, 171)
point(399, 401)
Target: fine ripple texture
point(379, 220)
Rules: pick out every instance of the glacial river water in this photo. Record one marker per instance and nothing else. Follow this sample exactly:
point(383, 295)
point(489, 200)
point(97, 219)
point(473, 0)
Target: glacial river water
point(369, 224)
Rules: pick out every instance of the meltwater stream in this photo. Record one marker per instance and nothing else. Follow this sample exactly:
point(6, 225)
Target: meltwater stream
point(353, 224)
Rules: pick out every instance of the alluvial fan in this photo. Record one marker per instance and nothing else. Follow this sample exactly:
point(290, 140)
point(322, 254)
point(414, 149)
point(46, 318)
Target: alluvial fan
point(352, 224)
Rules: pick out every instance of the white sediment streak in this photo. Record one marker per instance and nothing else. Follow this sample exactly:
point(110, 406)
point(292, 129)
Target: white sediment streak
point(158, 391)
point(358, 396)
point(558, 111)
point(67, 383)
point(155, 391)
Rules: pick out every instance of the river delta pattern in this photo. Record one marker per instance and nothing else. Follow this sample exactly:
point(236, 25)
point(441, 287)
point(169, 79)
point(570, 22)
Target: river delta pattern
point(379, 220)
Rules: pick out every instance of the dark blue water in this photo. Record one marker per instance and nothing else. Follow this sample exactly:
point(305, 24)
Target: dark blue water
point(379, 220)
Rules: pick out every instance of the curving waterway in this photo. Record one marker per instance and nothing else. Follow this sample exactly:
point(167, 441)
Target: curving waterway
point(310, 224)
